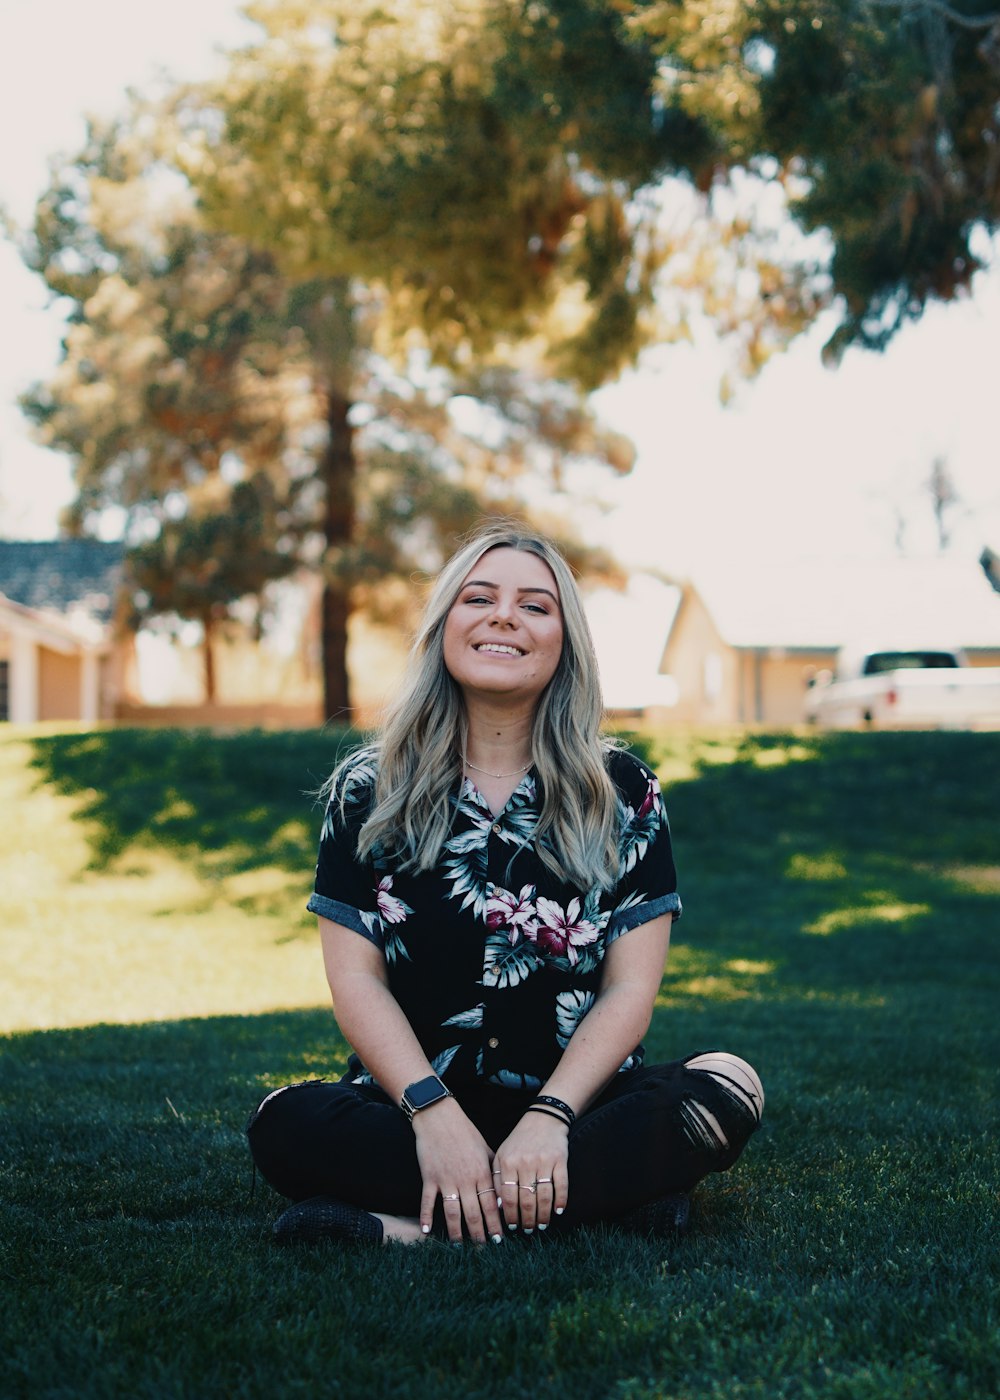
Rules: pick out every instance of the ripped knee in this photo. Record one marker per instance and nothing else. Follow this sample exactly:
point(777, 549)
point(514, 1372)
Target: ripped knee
point(740, 1078)
point(720, 1119)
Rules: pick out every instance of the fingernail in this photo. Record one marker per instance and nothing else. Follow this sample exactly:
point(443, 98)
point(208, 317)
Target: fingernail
point(543, 1227)
point(425, 1229)
point(497, 1239)
point(560, 1209)
point(499, 1202)
point(528, 1229)
point(512, 1225)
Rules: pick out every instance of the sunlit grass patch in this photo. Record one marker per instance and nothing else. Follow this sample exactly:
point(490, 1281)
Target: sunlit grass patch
point(695, 972)
point(825, 866)
point(889, 912)
point(777, 755)
point(980, 879)
point(150, 935)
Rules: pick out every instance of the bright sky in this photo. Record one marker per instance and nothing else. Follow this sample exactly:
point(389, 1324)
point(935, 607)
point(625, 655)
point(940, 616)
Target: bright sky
point(806, 462)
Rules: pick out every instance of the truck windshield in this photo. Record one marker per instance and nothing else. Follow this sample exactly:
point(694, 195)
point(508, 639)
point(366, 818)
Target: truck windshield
point(908, 661)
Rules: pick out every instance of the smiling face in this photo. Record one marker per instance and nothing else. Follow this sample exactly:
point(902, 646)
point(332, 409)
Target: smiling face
point(504, 632)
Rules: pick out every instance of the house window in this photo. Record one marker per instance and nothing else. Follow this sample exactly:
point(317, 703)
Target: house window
point(4, 690)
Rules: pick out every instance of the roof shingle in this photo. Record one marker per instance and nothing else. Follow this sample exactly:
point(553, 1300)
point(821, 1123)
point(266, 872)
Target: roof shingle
point(56, 574)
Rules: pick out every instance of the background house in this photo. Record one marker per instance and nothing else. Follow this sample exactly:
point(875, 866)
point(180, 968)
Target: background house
point(61, 654)
point(741, 648)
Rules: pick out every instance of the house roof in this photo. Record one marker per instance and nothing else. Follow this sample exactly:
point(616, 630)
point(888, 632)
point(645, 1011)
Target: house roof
point(69, 633)
point(819, 605)
point(56, 575)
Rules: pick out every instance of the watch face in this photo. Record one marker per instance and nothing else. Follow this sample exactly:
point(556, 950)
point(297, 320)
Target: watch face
point(424, 1092)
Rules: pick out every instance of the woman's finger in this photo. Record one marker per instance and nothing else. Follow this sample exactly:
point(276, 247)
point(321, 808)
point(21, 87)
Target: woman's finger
point(544, 1198)
point(452, 1202)
point(427, 1198)
point(508, 1197)
point(527, 1190)
point(486, 1197)
point(560, 1187)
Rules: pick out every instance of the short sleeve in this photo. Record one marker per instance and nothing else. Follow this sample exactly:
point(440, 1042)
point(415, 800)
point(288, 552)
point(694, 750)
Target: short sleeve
point(647, 881)
point(345, 889)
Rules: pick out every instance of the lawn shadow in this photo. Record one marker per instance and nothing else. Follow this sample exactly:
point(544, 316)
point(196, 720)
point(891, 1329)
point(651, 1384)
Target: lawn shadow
point(239, 801)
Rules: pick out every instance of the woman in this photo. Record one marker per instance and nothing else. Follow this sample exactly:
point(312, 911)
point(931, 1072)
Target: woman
point(495, 889)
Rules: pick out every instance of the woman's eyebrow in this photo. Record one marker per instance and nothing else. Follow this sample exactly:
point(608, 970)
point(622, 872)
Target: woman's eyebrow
point(485, 583)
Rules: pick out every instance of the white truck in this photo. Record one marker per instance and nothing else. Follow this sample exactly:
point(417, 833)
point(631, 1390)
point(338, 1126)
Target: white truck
point(904, 689)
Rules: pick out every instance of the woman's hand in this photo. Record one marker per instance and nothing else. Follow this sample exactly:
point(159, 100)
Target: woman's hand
point(455, 1164)
point(533, 1166)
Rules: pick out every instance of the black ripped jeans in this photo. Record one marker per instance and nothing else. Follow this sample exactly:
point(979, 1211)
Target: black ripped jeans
point(651, 1133)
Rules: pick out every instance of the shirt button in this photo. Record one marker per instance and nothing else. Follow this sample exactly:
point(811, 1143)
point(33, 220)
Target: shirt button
point(496, 828)
point(493, 1042)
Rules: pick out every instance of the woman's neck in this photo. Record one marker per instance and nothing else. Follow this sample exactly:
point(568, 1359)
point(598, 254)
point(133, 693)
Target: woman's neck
point(498, 742)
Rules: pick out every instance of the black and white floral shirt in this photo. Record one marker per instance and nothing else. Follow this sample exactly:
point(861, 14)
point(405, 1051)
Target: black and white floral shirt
point(493, 960)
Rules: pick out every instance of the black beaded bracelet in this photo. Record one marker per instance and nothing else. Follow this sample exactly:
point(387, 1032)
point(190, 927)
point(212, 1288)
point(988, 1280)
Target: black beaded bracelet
point(549, 1112)
point(557, 1103)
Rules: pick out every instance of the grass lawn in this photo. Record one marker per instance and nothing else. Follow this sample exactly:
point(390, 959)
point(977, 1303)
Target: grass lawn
point(841, 930)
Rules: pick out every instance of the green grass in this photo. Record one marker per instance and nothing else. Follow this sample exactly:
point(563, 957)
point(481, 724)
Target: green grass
point(841, 930)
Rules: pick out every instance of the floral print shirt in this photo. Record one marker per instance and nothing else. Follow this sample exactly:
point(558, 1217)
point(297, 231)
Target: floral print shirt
point(493, 960)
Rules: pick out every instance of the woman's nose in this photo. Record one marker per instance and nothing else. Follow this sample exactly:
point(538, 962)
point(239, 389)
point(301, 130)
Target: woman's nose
point(503, 612)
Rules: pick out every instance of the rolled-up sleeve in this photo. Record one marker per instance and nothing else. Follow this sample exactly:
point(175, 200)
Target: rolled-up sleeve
point(345, 888)
point(647, 886)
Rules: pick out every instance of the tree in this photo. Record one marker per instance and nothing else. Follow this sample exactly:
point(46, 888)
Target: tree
point(882, 117)
point(175, 393)
point(199, 392)
point(401, 157)
point(201, 564)
point(944, 499)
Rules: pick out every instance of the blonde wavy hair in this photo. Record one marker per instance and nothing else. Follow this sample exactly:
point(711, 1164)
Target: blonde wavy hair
point(420, 752)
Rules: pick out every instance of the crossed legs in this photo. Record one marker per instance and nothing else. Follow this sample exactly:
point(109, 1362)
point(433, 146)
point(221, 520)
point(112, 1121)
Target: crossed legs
point(653, 1132)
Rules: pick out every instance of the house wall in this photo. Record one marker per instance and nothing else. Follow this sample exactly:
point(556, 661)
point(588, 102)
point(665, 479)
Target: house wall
point(59, 685)
point(779, 696)
point(706, 670)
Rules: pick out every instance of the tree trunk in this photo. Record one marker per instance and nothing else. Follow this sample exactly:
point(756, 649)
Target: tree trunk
point(208, 657)
point(337, 470)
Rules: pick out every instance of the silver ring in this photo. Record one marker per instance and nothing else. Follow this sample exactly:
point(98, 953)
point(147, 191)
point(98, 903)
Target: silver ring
point(544, 1181)
point(525, 1187)
point(456, 1197)
point(486, 1191)
point(510, 1183)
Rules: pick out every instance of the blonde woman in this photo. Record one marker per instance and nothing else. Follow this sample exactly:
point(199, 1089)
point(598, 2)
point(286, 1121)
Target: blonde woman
point(495, 889)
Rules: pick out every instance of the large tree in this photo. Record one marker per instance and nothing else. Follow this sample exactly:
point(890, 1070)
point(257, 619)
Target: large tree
point(392, 156)
point(198, 392)
point(411, 158)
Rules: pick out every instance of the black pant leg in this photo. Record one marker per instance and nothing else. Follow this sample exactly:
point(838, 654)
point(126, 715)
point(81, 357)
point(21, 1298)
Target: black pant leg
point(337, 1139)
point(646, 1137)
point(351, 1141)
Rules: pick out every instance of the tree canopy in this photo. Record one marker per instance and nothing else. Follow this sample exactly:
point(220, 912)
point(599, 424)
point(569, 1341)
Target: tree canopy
point(881, 116)
point(499, 168)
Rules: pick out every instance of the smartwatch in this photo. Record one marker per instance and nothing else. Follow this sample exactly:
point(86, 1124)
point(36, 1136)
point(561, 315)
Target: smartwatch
point(422, 1094)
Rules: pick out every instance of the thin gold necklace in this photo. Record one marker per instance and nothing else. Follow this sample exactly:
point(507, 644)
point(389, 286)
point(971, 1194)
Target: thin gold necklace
point(512, 774)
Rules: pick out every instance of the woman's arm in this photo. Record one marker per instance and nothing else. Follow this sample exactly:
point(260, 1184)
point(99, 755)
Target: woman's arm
point(454, 1157)
point(537, 1148)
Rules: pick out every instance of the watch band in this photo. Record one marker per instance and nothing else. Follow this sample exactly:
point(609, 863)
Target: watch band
point(422, 1093)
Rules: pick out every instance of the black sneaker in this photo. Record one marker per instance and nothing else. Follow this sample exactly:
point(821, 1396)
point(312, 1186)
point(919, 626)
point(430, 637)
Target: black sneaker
point(323, 1218)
